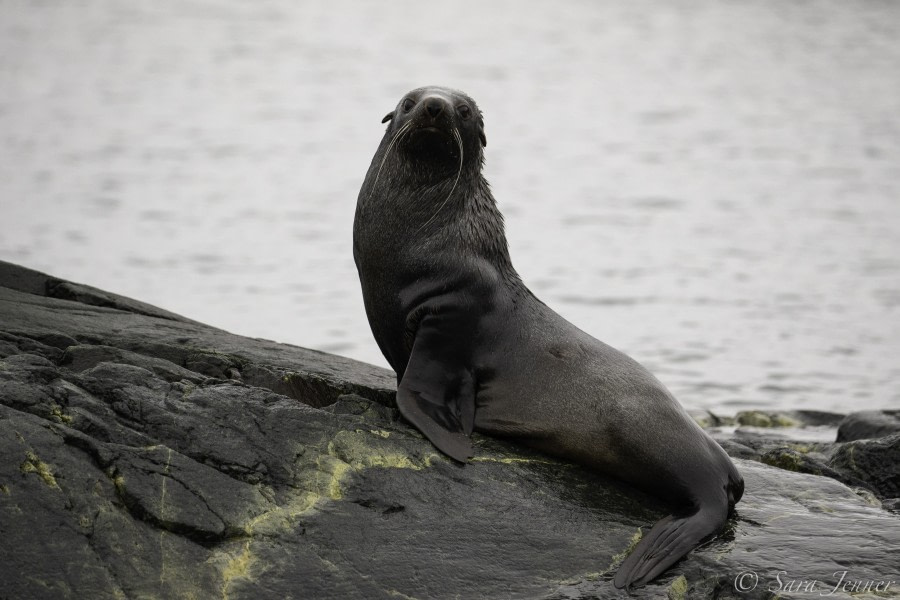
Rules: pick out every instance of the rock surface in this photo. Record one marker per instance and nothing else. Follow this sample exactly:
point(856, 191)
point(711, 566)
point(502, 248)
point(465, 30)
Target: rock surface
point(150, 456)
point(869, 424)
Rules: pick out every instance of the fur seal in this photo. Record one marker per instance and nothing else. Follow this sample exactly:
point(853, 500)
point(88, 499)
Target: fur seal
point(475, 350)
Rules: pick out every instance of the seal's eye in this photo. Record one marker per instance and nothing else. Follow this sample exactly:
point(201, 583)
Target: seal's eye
point(464, 111)
point(408, 104)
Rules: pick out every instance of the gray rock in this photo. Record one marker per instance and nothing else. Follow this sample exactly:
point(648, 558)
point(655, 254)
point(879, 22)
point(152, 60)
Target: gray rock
point(876, 463)
point(32, 319)
point(868, 424)
point(789, 419)
point(872, 464)
point(146, 455)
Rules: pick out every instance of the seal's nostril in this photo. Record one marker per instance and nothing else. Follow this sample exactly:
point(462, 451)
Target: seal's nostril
point(433, 107)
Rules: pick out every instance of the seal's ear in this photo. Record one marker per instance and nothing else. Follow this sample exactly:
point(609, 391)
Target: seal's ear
point(388, 117)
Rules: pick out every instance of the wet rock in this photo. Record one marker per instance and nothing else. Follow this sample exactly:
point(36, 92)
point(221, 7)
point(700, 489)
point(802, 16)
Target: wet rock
point(757, 418)
point(778, 538)
point(868, 424)
point(871, 464)
point(35, 317)
point(755, 444)
point(876, 463)
point(795, 460)
point(83, 357)
point(788, 419)
point(147, 455)
point(817, 418)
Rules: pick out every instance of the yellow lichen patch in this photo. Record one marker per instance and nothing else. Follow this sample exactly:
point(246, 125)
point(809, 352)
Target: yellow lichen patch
point(388, 460)
point(380, 433)
point(754, 418)
point(281, 518)
point(329, 566)
point(678, 588)
point(57, 413)
point(4, 489)
point(363, 450)
point(165, 478)
point(328, 475)
point(320, 476)
point(867, 496)
point(851, 460)
point(352, 451)
point(401, 595)
point(237, 568)
point(33, 464)
point(512, 460)
point(784, 421)
point(430, 458)
point(580, 578)
point(778, 518)
point(618, 558)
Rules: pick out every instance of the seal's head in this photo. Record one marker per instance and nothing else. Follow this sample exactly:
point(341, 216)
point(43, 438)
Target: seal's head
point(426, 176)
point(435, 124)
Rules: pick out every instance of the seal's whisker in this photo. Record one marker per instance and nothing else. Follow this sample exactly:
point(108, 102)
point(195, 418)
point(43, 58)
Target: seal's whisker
point(387, 152)
point(459, 143)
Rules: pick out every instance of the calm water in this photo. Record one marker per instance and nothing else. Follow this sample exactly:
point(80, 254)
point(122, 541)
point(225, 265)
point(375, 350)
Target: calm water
point(712, 187)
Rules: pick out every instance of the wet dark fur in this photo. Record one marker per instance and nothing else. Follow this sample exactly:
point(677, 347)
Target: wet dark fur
point(475, 350)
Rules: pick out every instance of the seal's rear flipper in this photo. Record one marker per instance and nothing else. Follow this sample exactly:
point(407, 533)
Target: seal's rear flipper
point(437, 392)
point(669, 540)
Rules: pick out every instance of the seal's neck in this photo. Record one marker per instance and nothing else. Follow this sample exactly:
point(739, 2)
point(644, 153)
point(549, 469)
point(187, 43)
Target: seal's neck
point(482, 227)
point(405, 208)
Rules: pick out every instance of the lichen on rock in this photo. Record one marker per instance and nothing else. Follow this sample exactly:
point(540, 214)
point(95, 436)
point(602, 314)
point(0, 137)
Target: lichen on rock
point(156, 457)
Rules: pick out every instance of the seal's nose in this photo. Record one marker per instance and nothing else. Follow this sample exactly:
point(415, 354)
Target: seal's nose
point(434, 107)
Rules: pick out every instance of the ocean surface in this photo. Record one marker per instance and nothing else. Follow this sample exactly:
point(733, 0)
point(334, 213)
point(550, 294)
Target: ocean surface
point(712, 187)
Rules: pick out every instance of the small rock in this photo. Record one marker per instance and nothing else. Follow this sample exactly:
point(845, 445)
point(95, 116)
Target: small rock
point(755, 418)
point(83, 357)
point(705, 418)
point(876, 462)
point(800, 462)
point(868, 424)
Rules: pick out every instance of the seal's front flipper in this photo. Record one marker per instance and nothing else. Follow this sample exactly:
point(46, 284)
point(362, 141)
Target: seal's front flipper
point(437, 392)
